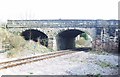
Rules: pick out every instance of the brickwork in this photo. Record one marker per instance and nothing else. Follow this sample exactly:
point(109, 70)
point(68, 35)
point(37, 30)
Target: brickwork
point(53, 27)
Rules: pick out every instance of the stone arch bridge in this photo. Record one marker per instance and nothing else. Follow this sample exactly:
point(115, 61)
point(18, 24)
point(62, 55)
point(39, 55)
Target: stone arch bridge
point(60, 34)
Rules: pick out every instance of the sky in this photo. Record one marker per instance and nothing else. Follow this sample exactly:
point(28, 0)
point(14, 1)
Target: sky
point(58, 9)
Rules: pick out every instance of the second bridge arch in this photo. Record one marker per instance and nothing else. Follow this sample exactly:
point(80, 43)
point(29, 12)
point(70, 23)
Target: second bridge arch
point(66, 39)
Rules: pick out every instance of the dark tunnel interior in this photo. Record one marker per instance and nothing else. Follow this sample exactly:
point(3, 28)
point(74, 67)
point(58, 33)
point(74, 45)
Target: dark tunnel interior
point(66, 39)
point(36, 36)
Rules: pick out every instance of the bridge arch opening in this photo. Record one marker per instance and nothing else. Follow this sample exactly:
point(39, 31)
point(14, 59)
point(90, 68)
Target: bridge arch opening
point(36, 36)
point(68, 39)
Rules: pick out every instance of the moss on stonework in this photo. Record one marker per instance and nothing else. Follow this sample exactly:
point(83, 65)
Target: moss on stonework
point(85, 36)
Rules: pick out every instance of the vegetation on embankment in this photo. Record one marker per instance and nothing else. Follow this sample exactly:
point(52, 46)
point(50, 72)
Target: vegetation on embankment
point(15, 45)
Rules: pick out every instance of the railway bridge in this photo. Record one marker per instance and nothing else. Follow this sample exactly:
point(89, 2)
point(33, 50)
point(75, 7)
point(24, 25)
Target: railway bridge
point(61, 34)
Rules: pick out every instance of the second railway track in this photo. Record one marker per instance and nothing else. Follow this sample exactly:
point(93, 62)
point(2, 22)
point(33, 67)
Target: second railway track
point(18, 62)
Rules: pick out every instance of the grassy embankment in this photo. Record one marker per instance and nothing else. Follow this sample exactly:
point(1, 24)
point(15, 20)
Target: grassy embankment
point(15, 45)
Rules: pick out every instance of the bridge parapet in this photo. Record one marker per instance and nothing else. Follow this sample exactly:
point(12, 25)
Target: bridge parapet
point(60, 23)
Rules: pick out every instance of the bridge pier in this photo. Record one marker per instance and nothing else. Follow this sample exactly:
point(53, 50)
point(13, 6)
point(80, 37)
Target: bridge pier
point(50, 43)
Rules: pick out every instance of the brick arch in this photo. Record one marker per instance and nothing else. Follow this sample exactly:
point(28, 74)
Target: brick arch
point(67, 41)
point(35, 35)
point(60, 30)
point(64, 29)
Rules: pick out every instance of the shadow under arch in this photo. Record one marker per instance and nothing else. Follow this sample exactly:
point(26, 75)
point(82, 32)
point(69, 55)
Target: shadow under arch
point(66, 39)
point(35, 35)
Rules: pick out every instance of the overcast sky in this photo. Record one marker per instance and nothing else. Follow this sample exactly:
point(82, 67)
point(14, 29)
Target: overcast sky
point(58, 9)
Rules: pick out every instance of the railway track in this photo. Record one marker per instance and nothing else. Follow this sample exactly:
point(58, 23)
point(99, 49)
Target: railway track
point(18, 62)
